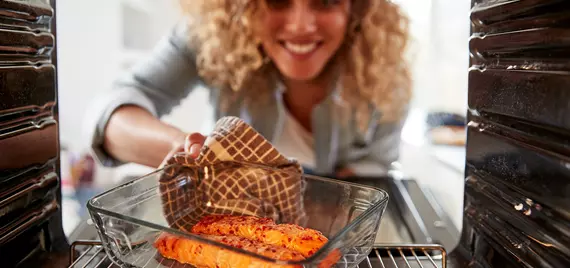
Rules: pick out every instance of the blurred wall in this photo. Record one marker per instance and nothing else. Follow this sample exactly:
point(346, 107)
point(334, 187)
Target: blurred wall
point(96, 41)
point(439, 51)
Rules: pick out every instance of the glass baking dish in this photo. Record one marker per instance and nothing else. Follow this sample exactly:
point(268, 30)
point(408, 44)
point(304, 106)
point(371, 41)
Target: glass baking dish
point(130, 217)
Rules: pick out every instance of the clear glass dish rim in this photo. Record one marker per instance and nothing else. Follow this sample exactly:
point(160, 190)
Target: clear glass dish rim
point(309, 260)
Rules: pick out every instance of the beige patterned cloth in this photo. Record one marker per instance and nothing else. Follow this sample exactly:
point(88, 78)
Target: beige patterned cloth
point(217, 182)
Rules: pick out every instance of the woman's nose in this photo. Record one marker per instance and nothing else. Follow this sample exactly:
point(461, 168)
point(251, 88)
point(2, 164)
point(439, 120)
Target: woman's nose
point(301, 19)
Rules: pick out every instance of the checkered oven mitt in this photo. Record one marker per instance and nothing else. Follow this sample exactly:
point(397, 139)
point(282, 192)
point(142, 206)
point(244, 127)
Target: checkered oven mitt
point(215, 182)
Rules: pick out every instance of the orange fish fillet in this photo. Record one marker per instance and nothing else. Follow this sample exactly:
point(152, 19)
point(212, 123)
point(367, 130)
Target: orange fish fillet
point(304, 240)
point(203, 255)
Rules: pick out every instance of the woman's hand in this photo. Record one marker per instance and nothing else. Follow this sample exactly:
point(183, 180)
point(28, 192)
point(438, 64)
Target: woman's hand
point(192, 145)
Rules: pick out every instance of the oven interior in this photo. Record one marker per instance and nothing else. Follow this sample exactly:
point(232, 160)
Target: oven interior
point(516, 211)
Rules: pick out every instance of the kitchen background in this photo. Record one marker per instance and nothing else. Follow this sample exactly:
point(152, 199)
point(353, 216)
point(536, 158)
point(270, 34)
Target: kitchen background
point(97, 40)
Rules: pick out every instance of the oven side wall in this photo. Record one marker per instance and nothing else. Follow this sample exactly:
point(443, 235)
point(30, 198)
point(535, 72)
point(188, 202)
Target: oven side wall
point(30, 196)
point(517, 186)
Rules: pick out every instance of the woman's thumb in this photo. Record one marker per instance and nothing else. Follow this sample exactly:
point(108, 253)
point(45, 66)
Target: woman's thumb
point(194, 143)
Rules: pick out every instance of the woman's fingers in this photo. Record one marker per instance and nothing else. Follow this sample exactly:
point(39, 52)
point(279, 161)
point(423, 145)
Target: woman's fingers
point(194, 143)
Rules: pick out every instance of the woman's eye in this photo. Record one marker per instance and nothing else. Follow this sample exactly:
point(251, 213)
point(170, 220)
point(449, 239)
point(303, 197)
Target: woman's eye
point(278, 4)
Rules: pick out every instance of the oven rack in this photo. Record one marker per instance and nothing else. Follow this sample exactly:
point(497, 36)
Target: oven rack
point(382, 256)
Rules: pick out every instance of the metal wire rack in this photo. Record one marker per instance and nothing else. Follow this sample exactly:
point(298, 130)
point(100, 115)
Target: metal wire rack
point(92, 255)
point(409, 256)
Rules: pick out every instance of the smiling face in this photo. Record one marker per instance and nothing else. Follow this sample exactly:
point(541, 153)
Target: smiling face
point(302, 36)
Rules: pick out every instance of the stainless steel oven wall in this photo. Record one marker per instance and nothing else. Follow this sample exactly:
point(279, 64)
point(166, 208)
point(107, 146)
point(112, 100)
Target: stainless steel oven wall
point(517, 187)
point(30, 215)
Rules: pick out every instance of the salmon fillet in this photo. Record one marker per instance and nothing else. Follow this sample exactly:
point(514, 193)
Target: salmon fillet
point(294, 237)
point(201, 254)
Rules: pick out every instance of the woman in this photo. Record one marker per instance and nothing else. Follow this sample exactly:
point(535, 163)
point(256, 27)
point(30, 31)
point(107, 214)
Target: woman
point(324, 80)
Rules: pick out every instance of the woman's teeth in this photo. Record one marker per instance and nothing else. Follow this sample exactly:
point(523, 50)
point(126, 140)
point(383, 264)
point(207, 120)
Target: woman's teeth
point(300, 48)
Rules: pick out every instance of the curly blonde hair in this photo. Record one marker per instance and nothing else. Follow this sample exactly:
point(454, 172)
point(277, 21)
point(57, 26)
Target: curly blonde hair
point(374, 71)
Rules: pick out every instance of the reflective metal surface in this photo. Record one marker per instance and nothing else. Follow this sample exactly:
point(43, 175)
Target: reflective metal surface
point(29, 15)
point(30, 219)
point(517, 191)
point(405, 255)
point(27, 91)
point(34, 188)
